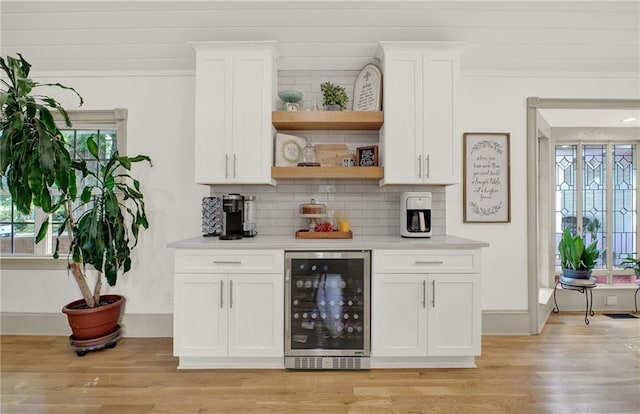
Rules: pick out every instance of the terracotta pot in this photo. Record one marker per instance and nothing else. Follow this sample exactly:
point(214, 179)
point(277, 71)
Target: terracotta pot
point(95, 322)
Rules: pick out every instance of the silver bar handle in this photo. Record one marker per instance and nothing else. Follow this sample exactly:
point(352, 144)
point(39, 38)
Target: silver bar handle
point(433, 293)
point(221, 294)
point(428, 164)
point(235, 168)
point(226, 165)
point(424, 293)
point(420, 166)
point(434, 262)
point(227, 262)
point(231, 294)
point(287, 276)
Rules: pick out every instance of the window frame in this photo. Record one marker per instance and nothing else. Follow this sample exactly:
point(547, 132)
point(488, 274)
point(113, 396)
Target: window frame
point(80, 119)
point(610, 270)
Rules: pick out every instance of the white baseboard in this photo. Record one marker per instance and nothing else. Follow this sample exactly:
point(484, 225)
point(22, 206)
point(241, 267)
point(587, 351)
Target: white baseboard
point(134, 325)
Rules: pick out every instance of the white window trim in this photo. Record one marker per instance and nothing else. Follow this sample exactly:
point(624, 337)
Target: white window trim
point(610, 271)
point(101, 118)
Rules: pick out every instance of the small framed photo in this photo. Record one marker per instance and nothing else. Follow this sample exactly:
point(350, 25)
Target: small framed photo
point(487, 178)
point(367, 156)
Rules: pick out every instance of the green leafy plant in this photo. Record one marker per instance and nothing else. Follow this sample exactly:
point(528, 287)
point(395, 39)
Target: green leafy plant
point(334, 94)
point(103, 221)
point(574, 254)
point(631, 263)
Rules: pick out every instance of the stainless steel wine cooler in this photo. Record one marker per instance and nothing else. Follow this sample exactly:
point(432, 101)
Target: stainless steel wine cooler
point(327, 308)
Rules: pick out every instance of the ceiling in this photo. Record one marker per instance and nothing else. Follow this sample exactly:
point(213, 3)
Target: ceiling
point(576, 37)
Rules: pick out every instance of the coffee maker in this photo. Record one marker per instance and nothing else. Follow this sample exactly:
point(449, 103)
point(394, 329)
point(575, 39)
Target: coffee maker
point(232, 205)
point(415, 214)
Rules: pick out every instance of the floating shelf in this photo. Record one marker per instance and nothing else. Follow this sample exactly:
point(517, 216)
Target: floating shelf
point(339, 173)
point(328, 120)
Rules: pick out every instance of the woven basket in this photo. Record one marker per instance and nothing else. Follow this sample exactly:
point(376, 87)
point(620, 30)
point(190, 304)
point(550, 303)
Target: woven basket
point(331, 154)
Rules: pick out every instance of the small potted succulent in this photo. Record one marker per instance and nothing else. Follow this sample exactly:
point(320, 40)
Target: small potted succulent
point(334, 96)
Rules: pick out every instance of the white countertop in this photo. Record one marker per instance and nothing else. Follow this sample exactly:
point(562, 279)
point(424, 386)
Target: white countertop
point(357, 243)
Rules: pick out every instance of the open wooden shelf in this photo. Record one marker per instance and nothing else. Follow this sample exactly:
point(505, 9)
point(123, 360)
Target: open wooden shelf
point(328, 120)
point(338, 173)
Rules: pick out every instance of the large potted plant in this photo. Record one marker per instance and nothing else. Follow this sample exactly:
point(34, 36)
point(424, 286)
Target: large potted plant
point(577, 259)
point(101, 218)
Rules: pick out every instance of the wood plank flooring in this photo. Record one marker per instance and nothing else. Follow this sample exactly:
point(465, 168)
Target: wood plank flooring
point(570, 368)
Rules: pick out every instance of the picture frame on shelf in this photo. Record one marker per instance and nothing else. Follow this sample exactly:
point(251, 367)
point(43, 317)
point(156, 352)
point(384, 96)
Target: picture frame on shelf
point(367, 156)
point(486, 177)
point(367, 90)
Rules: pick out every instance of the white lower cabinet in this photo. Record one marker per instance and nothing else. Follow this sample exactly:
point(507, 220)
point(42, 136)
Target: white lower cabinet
point(229, 320)
point(229, 315)
point(424, 319)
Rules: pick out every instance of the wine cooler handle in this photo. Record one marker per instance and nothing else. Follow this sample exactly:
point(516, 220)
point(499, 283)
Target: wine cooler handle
point(221, 294)
point(287, 276)
point(424, 293)
point(433, 293)
point(230, 294)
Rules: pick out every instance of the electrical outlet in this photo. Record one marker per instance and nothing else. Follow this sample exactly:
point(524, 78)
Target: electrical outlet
point(611, 300)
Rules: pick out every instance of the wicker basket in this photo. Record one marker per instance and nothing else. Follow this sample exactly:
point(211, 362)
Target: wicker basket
point(331, 154)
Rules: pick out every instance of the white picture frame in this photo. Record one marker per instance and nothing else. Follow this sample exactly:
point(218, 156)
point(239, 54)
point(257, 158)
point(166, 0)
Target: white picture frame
point(288, 150)
point(367, 90)
point(487, 177)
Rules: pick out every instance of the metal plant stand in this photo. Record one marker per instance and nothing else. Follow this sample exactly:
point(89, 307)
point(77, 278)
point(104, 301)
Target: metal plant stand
point(588, 294)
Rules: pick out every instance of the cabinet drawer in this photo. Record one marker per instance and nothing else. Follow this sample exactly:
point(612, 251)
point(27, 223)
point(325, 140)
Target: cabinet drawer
point(438, 261)
point(229, 261)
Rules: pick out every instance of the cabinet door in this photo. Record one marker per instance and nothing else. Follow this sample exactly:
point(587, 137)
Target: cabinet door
point(252, 130)
point(439, 165)
point(213, 116)
point(398, 315)
point(256, 315)
point(453, 315)
point(401, 135)
point(200, 315)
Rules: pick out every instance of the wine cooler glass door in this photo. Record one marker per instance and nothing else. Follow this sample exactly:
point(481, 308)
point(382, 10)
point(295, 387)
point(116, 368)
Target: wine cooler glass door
point(328, 303)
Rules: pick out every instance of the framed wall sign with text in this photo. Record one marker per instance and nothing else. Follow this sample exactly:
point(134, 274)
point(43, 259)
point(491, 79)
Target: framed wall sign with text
point(367, 156)
point(487, 176)
point(367, 91)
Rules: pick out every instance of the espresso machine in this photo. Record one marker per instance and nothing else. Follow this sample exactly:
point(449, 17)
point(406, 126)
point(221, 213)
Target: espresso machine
point(415, 214)
point(232, 206)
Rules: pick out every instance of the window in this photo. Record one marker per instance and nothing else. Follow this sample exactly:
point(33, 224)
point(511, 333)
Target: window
point(595, 192)
point(17, 232)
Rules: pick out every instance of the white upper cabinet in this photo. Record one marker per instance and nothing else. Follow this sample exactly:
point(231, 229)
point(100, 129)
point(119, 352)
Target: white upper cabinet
point(235, 89)
point(418, 140)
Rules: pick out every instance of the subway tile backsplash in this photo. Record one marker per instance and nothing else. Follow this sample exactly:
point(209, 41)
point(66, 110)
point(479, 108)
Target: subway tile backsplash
point(372, 210)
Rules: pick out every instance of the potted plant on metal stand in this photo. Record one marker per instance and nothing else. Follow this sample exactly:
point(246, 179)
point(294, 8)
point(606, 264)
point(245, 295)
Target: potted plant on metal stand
point(102, 220)
point(576, 258)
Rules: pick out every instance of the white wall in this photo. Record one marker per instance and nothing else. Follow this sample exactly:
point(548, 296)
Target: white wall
point(161, 126)
point(498, 104)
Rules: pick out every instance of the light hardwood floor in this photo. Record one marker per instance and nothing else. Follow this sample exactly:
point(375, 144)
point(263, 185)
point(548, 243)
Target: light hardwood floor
point(570, 368)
